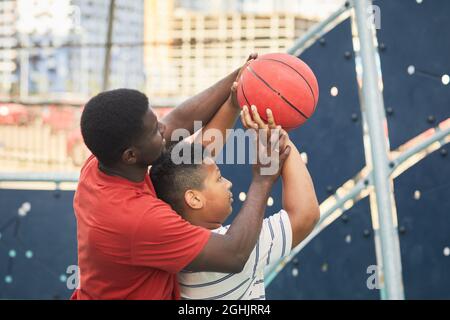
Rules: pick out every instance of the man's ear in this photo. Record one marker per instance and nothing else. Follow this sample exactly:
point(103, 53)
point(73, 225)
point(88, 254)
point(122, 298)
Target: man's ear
point(129, 156)
point(194, 199)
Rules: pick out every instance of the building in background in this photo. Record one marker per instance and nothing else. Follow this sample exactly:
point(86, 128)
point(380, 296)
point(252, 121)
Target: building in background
point(191, 44)
point(64, 43)
point(308, 8)
point(8, 40)
point(127, 56)
point(52, 54)
point(55, 49)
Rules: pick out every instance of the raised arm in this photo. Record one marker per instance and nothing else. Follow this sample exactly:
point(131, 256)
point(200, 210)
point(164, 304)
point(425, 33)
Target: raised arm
point(224, 119)
point(299, 197)
point(230, 252)
point(201, 107)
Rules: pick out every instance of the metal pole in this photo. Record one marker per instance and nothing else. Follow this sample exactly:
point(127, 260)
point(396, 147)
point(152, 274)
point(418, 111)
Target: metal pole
point(107, 66)
point(373, 107)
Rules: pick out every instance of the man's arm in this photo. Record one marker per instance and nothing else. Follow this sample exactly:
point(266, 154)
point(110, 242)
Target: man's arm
point(299, 197)
point(201, 107)
point(230, 252)
point(223, 120)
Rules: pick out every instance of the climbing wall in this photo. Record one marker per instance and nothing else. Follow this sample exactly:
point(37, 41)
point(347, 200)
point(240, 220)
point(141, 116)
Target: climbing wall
point(37, 244)
point(414, 54)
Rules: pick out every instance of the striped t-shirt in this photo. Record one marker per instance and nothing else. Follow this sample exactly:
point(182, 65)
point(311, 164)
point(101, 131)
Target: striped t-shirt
point(275, 242)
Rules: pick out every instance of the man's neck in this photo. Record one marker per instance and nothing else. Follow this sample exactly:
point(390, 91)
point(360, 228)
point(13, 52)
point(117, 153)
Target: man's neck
point(133, 174)
point(190, 216)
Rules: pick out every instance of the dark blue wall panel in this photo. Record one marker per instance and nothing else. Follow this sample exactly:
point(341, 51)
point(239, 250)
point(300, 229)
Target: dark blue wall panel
point(334, 265)
point(44, 243)
point(425, 227)
point(416, 35)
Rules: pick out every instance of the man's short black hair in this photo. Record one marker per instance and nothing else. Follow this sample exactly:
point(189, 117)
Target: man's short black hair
point(111, 121)
point(171, 180)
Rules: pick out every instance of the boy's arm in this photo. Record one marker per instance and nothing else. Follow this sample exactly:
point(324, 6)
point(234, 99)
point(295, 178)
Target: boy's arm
point(299, 197)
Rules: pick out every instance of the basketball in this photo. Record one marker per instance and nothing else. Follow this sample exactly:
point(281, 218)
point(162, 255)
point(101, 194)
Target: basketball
point(283, 83)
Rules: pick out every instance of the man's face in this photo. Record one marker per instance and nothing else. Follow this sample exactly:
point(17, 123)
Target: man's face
point(152, 143)
point(217, 195)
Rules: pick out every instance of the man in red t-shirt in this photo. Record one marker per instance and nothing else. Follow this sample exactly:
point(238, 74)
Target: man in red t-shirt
point(131, 245)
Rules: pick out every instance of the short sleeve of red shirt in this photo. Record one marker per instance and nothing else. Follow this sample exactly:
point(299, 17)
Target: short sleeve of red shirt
point(169, 245)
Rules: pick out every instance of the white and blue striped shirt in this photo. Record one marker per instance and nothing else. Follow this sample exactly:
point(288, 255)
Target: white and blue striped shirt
point(275, 242)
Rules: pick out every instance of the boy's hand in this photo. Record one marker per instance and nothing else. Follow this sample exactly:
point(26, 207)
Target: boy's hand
point(272, 150)
point(234, 88)
point(256, 122)
point(272, 143)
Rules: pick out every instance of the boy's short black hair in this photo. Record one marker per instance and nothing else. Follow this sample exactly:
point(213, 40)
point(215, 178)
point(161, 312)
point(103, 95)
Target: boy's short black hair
point(111, 121)
point(171, 180)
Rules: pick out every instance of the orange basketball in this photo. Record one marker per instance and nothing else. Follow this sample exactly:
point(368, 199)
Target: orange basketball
point(283, 83)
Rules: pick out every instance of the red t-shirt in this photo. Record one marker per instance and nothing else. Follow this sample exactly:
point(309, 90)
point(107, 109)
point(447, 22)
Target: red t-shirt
point(131, 245)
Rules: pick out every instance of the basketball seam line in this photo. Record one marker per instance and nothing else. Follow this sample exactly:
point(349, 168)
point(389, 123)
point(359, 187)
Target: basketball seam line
point(309, 86)
point(245, 97)
point(248, 103)
point(278, 93)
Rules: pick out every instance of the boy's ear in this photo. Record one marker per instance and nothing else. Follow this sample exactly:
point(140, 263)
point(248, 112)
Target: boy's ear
point(194, 199)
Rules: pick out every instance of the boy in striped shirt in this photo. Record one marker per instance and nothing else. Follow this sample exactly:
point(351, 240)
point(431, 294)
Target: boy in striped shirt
point(200, 194)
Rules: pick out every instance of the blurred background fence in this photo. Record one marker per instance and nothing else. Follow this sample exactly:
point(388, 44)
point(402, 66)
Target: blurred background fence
point(43, 139)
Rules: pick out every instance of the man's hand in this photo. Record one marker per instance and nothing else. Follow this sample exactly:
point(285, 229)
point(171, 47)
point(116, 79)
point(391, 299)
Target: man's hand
point(234, 88)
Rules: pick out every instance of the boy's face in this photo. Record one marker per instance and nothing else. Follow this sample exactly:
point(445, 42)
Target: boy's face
point(216, 197)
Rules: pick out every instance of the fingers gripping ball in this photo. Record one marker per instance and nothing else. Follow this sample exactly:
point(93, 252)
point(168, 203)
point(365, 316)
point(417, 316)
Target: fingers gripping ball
point(283, 83)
